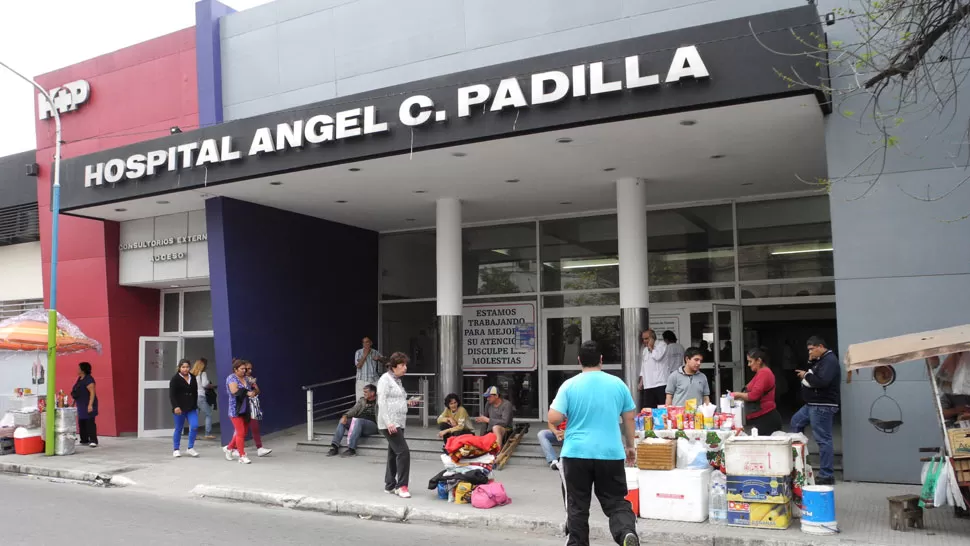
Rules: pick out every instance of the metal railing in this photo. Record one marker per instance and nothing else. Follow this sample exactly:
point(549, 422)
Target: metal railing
point(474, 398)
point(339, 405)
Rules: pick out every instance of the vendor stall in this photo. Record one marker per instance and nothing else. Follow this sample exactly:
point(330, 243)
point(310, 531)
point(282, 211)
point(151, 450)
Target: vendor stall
point(696, 464)
point(950, 471)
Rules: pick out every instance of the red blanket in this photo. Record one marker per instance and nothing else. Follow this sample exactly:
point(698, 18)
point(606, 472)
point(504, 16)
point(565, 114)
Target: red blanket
point(484, 443)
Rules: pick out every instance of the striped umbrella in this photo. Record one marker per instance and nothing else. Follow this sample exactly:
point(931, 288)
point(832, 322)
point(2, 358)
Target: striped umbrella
point(28, 332)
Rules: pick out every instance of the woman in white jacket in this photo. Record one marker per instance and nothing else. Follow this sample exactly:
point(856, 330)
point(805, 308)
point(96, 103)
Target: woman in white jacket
point(392, 413)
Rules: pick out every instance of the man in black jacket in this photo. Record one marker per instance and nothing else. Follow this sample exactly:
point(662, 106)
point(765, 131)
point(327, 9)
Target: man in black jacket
point(821, 390)
point(365, 411)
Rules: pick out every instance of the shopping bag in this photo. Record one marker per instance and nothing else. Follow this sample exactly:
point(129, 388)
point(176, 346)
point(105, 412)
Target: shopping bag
point(961, 378)
point(942, 485)
point(927, 497)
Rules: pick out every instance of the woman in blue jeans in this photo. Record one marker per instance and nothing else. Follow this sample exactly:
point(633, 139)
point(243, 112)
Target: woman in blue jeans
point(183, 393)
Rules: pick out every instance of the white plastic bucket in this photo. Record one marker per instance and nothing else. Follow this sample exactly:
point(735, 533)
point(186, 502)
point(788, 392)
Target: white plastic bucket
point(818, 510)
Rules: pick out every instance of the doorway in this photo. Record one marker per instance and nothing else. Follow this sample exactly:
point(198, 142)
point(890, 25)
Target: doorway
point(716, 328)
point(158, 359)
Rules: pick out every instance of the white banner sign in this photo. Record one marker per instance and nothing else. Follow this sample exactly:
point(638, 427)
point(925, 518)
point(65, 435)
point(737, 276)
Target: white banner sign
point(662, 323)
point(499, 337)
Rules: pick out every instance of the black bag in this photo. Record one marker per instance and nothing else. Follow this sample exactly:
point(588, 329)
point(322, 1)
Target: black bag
point(211, 397)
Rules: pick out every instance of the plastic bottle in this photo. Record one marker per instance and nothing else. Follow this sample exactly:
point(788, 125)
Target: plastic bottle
point(717, 507)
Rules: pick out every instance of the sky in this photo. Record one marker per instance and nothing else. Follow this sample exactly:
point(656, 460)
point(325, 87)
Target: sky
point(38, 36)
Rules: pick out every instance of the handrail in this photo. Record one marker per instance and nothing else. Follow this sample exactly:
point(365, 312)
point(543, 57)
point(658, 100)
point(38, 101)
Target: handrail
point(326, 383)
point(337, 406)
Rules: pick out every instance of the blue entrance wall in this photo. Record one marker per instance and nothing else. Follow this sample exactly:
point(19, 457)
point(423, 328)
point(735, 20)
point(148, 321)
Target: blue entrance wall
point(292, 294)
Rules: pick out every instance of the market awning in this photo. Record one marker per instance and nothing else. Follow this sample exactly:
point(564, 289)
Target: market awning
point(918, 346)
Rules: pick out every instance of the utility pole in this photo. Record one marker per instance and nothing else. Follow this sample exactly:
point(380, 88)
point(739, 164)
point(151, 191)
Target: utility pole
point(52, 312)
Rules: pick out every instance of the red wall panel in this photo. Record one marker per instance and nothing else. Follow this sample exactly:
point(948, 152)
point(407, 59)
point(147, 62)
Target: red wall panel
point(137, 94)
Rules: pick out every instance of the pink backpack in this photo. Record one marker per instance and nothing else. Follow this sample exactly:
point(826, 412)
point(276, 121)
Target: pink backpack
point(490, 495)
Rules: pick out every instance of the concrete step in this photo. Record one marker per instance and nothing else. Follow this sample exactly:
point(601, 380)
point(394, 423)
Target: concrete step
point(424, 445)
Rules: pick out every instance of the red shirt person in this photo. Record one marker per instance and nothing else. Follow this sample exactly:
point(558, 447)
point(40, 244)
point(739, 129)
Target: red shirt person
point(759, 396)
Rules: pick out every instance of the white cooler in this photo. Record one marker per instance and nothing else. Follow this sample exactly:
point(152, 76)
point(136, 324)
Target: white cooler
point(675, 495)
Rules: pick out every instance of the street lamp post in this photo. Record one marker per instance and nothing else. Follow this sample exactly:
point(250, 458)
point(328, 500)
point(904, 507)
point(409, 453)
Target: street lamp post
point(52, 312)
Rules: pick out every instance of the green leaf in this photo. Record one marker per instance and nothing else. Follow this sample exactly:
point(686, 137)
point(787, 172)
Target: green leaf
point(848, 113)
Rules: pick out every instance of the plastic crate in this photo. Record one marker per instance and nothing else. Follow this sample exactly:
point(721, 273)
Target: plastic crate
point(6, 446)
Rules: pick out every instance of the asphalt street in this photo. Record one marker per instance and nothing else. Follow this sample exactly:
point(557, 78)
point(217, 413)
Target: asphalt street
point(38, 513)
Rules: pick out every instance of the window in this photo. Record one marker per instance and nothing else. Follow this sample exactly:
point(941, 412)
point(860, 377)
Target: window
point(19, 224)
point(785, 239)
point(186, 311)
point(408, 265)
point(580, 254)
point(690, 246)
point(411, 328)
point(499, 259)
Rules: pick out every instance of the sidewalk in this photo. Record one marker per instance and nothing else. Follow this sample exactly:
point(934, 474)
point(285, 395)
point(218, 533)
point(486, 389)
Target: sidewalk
point(312, 481)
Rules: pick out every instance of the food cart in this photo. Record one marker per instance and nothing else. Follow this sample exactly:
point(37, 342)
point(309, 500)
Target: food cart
point(882, 354)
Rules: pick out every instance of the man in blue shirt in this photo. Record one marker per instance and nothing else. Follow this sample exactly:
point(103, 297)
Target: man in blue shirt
point(593, 451)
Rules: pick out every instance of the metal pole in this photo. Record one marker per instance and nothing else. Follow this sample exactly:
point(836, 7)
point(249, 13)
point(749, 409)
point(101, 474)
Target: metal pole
point(939, 408)
point(309, 415)
point(52, 312)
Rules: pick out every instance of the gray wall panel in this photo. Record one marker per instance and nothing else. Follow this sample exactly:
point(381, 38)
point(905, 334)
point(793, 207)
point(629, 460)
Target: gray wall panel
point(901, 265)
point(876, 308)
point(306, 51)
point(376, 34)
point(252, 70)
point(500, 21)
point(381, 43)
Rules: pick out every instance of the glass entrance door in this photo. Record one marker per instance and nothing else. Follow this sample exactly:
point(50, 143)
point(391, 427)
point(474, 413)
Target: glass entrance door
point(564, 330)
point(729, 344)
point(157, 361)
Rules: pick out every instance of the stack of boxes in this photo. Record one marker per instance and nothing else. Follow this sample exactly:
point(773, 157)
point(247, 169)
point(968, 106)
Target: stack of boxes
point(759, 481)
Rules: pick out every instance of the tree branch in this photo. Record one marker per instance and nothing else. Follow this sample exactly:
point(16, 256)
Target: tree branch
point(915, 51)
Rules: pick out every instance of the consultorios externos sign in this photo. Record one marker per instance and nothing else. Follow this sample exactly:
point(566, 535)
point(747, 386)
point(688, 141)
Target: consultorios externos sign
point(415, 110)
point(499, 337)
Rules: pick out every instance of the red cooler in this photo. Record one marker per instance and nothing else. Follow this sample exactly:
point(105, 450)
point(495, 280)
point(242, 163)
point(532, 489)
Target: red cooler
point(28, 441)
point(633, 488)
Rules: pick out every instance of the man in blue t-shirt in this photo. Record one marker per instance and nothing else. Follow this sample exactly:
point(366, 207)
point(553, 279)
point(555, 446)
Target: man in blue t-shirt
point(593, 454)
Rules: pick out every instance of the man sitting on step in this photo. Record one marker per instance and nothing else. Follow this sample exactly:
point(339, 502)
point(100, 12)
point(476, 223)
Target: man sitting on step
point(365, 414)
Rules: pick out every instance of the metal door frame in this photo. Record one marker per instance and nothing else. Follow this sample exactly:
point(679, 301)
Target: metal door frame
point(160, 384)
point(585, 315)
point(737, 345)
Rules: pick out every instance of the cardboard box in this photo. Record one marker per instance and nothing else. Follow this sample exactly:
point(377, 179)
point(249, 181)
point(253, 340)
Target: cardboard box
point(762, 489)
point(959, 442)
point(759, 515)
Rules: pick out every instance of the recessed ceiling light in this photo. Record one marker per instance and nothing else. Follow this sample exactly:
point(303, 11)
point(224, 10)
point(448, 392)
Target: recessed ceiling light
point(276, 183)
point(688, 122)
point(173, 286)
point(341, 201)
point(564, 140)
point(458, 154)
point(420, 191)
point(609, 169)
point(354, 169)
point(162, 202)
point(120, 210)
point(409, 219)
point(565, 202)
point(512, 181)
point(717, 156)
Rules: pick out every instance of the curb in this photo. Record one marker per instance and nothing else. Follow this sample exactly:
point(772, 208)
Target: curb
point(94, 478)
point(483, 519)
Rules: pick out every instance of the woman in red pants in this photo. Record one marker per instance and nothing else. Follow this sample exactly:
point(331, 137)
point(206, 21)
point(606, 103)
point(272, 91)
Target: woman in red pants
point(239, 410)
point(255, 413)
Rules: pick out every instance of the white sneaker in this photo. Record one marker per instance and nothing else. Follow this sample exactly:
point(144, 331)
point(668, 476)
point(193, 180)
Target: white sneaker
point(228, 453)
point(262, 452)
point(554, 465)
point(403, 492)
point(244, 460)
point(176, 454)
point(192, 453)
point(235, 453)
